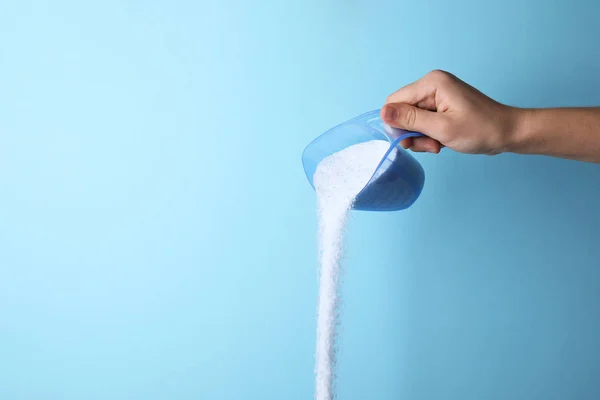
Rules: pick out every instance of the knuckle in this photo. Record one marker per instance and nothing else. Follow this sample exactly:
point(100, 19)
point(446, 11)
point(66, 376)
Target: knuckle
point(407, 116)
point(439, 76)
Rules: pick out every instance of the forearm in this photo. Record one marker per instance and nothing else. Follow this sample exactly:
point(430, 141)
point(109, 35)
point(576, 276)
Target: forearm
point(572, 133)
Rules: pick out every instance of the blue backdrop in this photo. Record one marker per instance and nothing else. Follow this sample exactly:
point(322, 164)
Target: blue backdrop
point(157, 235)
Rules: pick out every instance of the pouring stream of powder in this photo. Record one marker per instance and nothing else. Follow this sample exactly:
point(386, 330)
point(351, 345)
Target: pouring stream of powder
point(338, 179)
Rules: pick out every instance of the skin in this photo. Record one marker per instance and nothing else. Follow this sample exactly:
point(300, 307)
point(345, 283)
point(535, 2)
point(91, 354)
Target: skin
point(453, 114)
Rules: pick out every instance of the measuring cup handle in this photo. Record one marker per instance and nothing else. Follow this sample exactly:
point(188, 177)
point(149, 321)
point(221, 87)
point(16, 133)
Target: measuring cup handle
point(397, 134)
point(409, 134)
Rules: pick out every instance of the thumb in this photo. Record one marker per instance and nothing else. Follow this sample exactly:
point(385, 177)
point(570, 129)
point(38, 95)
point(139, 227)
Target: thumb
point(405, 116)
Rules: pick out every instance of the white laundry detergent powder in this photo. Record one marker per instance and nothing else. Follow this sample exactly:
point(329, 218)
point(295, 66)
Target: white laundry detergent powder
point(338, 180)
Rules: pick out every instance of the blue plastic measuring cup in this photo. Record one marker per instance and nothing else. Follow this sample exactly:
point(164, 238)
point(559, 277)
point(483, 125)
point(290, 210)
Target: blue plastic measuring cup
point(398, 180)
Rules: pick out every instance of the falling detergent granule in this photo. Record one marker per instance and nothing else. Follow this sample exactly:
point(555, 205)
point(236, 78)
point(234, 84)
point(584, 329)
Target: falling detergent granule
point(338, 179)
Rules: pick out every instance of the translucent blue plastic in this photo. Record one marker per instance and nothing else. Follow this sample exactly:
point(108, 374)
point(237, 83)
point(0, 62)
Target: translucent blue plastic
point(398, 180)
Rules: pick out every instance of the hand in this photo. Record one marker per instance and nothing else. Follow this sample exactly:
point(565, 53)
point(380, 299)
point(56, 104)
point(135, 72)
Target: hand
point(451, 114)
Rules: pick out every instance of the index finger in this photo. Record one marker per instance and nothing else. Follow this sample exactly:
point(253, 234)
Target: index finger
point(419, 93)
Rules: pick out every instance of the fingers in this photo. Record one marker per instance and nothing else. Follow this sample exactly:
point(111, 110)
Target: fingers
point(422, 144)
point(410, 94)
point(422, 93)
point(412, 118)
point(414, 108)
point(426, 145)
point(406, 143)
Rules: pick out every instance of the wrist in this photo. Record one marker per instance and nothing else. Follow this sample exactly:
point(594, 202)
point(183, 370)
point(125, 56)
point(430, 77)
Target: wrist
point(522, 134)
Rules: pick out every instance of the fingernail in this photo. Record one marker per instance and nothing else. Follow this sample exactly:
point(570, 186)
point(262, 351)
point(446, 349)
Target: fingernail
point(390, 113)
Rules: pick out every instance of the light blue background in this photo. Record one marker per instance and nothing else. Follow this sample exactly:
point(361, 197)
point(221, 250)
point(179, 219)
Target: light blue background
point(157, 235)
